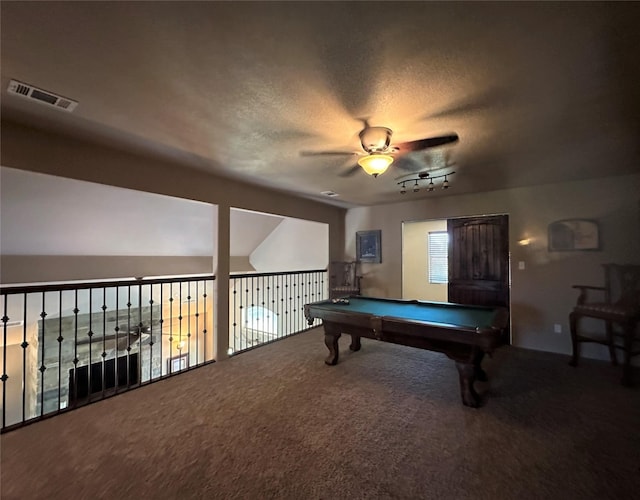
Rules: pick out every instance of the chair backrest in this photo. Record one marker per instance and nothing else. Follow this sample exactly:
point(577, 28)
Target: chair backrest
point(623, 284)
point(343, 274)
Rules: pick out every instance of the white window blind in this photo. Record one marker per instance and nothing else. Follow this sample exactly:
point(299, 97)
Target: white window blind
point(438, 257)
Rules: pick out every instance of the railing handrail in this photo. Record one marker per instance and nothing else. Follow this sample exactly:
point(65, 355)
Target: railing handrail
point(277, 273)
point(84, 285)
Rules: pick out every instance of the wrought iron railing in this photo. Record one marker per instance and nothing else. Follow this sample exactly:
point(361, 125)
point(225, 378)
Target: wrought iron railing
point(64, 346)
point(264, 307)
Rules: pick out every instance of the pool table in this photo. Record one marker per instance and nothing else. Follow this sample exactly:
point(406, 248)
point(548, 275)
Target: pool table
point(463, 332)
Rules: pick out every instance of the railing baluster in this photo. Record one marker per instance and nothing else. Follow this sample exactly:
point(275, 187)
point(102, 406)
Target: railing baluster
point(197, 325)
point(189, 326)
point(243, 308)
point(170, 328)
point(43, 314)
point(104, 341)
point(75, 349)
point(180, 346)
point(24, 346)
point(151, 342)
point(234, 294)
point(4, 376)
point(90, 334)
point(117, 333)
point(161, 326)
point(60, 339)
point(140, 325)
point(288, 303)
point(128, 355)
point(204, 325)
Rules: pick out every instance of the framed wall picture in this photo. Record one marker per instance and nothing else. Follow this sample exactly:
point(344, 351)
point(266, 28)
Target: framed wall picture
point(573, 234)
point(368, 247)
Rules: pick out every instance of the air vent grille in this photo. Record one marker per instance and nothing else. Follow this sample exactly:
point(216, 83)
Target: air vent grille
point(21, 89)
point(42, 96)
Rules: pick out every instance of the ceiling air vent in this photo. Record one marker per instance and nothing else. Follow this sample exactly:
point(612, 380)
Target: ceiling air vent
point(30, 92)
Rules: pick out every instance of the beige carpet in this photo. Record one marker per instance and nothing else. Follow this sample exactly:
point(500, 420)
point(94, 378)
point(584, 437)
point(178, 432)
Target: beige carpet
point(386, 422)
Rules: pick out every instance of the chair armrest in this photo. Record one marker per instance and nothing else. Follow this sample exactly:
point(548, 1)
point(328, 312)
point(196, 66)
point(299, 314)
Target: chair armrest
point(583, 291)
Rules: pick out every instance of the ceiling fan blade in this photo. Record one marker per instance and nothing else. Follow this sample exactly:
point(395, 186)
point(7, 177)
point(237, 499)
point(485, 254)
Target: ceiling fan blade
point(351, 171)
point(328, 153)
point(430, 142)
point(407, 163)
point(487, 101)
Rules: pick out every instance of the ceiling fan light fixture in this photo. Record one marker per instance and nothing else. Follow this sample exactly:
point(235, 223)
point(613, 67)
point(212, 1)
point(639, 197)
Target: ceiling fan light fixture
point(375, 164)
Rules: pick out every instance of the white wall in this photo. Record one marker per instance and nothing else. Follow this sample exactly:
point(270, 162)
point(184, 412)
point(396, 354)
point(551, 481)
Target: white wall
point(415, 262)
point(541, 294)
point(58, 229)
point(49, 215)
point(294, 245)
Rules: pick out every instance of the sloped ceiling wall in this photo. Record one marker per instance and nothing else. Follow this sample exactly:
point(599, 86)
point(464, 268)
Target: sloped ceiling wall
point(294, 245)
point(249, 229)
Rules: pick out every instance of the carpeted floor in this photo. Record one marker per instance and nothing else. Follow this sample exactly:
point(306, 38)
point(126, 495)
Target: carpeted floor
point(386, 422)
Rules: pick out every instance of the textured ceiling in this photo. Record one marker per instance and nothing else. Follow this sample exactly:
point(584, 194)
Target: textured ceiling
point(538, 92)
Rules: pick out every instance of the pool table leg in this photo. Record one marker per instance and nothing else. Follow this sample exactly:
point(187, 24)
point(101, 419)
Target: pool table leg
point(331, 337)
point(355, 343)
point(467, 372)
point(480, 374)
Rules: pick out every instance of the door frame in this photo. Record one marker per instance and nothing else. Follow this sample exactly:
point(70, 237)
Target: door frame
point(445, 219)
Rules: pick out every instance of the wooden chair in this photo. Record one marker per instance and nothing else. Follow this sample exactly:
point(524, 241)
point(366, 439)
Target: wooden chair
point(343, 279)
point(620, 311)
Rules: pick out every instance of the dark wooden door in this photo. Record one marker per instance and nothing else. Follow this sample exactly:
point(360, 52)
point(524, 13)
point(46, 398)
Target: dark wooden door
point(479, 260)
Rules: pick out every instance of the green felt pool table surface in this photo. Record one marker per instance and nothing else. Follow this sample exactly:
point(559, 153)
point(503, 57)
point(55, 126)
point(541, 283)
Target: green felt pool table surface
point(433, 312)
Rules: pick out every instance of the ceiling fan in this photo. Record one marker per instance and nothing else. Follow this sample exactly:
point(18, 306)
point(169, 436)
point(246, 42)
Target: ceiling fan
point(378, 152)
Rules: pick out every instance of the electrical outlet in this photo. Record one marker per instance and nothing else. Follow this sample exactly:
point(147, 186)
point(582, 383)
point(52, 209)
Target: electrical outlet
point(557, 328)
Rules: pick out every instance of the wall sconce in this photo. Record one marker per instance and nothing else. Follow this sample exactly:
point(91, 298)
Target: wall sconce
point(180, 345)
point(424, 176)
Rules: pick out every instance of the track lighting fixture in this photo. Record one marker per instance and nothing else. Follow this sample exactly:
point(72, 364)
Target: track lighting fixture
point(424, 177)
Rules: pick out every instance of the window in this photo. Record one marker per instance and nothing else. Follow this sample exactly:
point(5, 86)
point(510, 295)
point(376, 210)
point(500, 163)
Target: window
point(261, 322)
point(438, 257)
